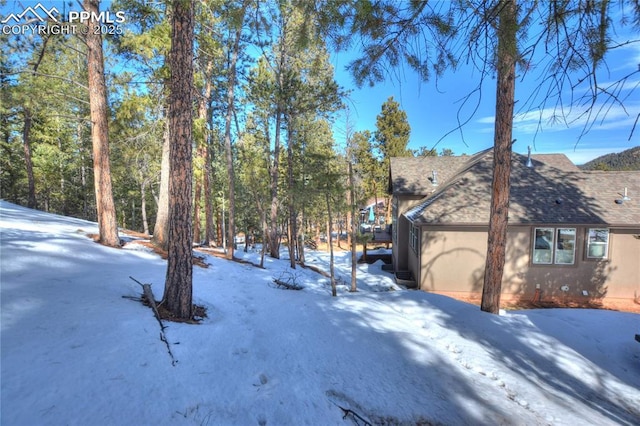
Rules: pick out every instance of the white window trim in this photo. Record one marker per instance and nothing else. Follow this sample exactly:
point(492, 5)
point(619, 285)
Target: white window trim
point(553, 243)
point(556, 250)
point(589, 243)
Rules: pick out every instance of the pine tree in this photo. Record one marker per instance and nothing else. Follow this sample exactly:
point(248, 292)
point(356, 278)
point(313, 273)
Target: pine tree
point(494, 37)
point(107, 220)
point(178, 286)
point(391, 139)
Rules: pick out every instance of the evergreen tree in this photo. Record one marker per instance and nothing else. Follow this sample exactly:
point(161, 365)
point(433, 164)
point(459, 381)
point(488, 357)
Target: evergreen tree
point(178, 286)
point(105, 206)
point(494, 37)
point(391, 139)
point(392, 131)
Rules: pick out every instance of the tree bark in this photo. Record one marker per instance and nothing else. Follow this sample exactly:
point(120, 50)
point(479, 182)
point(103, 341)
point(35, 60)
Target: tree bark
point(107, 222)
point(231, 85)
point(26, 137)
point(274, 244)
point(293, 231)
point(499, 215)
point(208, 199)
point(203, 108)
point(274, 241)
point(143, 207)
point(351, 221)
point(334, 290)
point(26, 143)
point(178, 285)
point(197, 197)
point(161, 227)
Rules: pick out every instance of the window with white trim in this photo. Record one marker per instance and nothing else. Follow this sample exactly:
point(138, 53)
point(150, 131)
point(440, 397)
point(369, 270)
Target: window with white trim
point(597, 243)
point(554, 246)
point(565, 246)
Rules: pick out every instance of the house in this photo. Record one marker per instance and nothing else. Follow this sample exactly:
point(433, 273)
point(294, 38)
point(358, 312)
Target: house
point(572, 235)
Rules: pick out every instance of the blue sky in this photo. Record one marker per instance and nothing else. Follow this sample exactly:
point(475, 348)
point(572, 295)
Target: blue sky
point(432, 111)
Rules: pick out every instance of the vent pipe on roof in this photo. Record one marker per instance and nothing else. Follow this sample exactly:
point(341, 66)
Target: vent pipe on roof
point(626, 197)
point(529, 162)
point(434, 178)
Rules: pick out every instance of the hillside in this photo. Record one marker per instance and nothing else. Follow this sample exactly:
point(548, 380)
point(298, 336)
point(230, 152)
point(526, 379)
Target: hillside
point(625, 160)
point(76, 352)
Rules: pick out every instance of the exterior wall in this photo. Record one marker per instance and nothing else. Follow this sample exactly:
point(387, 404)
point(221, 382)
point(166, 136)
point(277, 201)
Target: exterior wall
point(413, 258)
point(400, 247)
point(401, 250)
point(453, 261)
point(624, 273)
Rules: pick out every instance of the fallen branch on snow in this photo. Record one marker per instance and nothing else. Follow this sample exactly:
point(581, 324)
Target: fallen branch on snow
point(148, 297)
point(356, 417)
point(287, 280)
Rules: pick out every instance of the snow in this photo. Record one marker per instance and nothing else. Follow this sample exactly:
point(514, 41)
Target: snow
point(75, 352)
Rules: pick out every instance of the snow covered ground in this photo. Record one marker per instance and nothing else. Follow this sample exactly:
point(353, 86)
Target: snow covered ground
point(75, 352)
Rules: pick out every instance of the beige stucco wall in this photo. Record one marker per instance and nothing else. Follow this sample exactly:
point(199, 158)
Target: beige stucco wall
point(624, 276)
point(400, 251)
point(453, 261)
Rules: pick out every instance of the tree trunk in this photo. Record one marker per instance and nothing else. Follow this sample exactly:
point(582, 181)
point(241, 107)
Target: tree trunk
point(334, 290)
point(208, 199)
point(499, 216)
point(265, 232)
point(220, 222)
point(26, 137)
point(352, 234)
point(204, 153)
point(196, 210)
point(301, 238)
point(107, 223)
point(178, 286)
point(161, 227)
point(293, 232)
point(143, 207)
point(231, 85)
point(274, 242)
point(274, 249)
point(26, 142)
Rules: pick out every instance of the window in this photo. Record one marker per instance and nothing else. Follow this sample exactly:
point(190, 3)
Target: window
point(565, 246)
point(413, 238)
point(597, 243)
point(394, 229)
point(543, 245)
point(554, 246)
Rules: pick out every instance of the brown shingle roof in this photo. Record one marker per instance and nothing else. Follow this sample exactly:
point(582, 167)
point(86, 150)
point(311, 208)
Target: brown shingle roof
point(542, 194)
point(413, 175)
point(559, 161)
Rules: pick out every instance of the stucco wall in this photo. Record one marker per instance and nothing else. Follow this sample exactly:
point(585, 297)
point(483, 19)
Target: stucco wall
point(624, 276)
point(453, 262)
point(400, 251)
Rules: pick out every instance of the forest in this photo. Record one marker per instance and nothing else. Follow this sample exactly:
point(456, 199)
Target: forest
point(265, 108)
point(193, 121)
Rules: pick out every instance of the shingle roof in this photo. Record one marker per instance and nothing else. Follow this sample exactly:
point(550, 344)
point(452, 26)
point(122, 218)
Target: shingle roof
point(559, 161)
point(541, 194)
point(412, 175)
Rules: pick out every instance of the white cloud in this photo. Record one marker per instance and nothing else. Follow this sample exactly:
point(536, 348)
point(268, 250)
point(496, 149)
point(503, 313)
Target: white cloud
point(603, 117)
